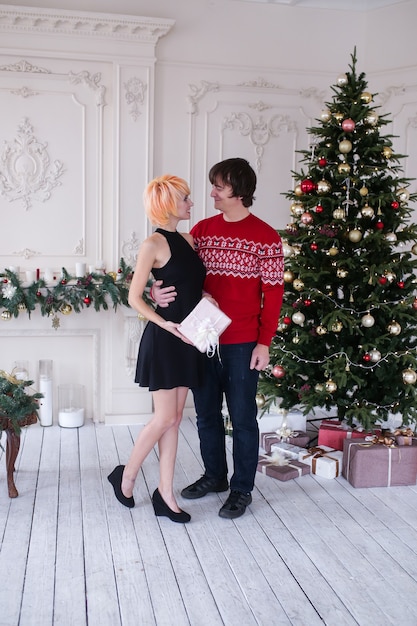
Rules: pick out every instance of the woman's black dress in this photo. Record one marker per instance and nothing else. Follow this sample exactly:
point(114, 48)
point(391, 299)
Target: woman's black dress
point(165, 361)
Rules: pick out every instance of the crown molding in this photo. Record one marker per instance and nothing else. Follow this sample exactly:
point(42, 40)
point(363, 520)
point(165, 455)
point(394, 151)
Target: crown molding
point(83, 24)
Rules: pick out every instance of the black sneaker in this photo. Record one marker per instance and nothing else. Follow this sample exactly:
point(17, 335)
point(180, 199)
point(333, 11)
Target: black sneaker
point(235, 505)
point(203, 486)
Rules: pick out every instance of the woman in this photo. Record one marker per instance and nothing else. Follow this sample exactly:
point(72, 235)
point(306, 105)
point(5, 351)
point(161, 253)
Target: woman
point(167, 364)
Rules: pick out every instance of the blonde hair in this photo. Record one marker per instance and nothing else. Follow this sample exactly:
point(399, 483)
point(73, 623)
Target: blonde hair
point(161, 196)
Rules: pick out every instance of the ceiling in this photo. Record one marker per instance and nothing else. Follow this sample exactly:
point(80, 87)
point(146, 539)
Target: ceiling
point(345, 5)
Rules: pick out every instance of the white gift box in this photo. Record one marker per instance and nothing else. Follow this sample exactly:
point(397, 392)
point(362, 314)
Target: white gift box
point(204, 325)
point(289, 450)
point(275, 419)
point(325, 462)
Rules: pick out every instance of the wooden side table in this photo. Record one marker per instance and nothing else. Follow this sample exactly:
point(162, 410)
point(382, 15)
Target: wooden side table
point(12, 448)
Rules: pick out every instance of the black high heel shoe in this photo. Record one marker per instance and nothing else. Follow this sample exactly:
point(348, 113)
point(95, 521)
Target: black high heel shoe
point(162, 509)
point(115, 478)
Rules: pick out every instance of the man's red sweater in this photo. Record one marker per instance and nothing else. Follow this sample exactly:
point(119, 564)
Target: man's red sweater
point(245, 269)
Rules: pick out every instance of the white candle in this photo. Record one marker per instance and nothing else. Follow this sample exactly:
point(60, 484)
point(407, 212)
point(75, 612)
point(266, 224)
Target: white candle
point(30, 276)
point(71, 417)
point(80, 269)
point(45, 403)
point(48, 275)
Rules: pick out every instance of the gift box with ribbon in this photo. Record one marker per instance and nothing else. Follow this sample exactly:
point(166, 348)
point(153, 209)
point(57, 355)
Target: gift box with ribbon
point(404, 436)
point(294, 437)
point(378, 462)
point(332, 433)
point(280, 467)
point(287, 449)
point(204, 325)
point(324, 461)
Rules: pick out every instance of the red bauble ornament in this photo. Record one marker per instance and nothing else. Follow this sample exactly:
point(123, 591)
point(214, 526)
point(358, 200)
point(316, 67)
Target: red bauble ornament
point(414, 305)
point(306, 218)
point(307, 185)
point(287, 320)
point(322, 162)
point(348, 125)
point(307, 302)
point(87, 300)
point(379, 225)
point(395, 204)
point(319, 208)
point(38, 294)
point(382, 280)
point(119, 271)
point(278, 371)
point(5, 280)
point(314, 247)
point(400, 284)
point(366, 357)
point(64, 281)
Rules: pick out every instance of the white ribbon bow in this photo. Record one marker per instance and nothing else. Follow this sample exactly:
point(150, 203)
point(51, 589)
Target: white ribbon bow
point(207, 337)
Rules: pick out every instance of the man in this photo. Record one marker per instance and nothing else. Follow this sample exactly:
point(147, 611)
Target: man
point(244, 264)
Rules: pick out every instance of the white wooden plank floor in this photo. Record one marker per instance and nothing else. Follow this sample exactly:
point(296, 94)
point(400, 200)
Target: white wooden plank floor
point(308, 551)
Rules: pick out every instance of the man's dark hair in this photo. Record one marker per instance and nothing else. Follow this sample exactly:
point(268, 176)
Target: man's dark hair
point(239, 175)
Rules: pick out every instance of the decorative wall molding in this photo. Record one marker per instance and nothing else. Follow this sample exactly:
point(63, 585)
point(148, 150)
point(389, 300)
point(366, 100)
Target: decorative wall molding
point(92, 81)
point(260, 130)
point(135, 90)
point(130, 249)
point(199, 91)
point(26, 172)
point(82, 24)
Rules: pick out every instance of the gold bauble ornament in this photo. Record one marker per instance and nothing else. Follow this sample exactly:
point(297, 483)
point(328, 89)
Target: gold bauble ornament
point(66, 309)
point(333, 251)
point(394, 328)
point(21, 307)
point(390, 237)
point(409, 376)
point(342, 80)
point(414, 248)
point(318, 388)
point(371, 118)
point(323, 187)
point(298, 318)
point(345, 146)
point(288, 276)
point(331, 386)
point(338, 116)
point(387, 152)
point(287, 250)
point(337, 327)
point(6, 316)
point(260, 400)
point(339, 214)
point(296, 339)
point(298, 191)
point(363, 191)
point(367, 211)
point(325, 115)
point(113, 275)
point(375, 355)
point(368, 320)
point(298, 284)
point(343, 168)
point(321, 330)
point(402, 195)
point(296, 209)
point(366, 97)
point(355, 235)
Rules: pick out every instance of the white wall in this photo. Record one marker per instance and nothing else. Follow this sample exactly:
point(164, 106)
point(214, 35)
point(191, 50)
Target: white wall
point(220, 78)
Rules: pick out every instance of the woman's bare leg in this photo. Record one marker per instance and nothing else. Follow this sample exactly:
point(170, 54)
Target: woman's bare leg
point(164, 419)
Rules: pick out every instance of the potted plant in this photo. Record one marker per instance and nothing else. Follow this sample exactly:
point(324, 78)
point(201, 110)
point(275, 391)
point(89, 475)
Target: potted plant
point(18, 408)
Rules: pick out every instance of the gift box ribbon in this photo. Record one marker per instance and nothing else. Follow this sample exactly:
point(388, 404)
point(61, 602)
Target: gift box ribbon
point(278, 460)
point(318, 453)
point(207, 337)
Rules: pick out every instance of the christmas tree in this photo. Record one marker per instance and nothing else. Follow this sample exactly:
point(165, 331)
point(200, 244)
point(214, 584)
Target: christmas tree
point(346, 339)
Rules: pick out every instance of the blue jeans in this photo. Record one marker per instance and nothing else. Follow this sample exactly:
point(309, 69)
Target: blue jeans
point(230, 375)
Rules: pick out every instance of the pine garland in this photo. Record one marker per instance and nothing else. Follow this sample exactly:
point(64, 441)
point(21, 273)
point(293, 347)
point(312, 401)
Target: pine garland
point(95, 290)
